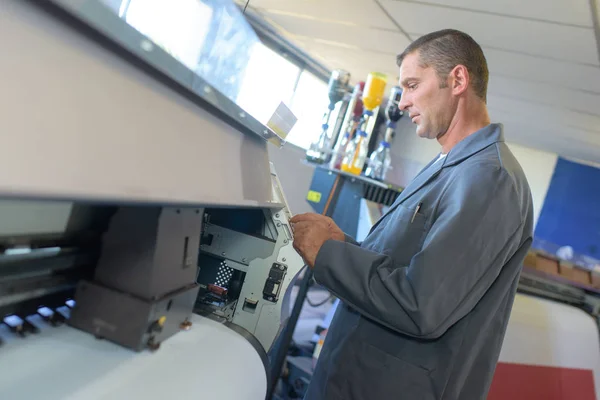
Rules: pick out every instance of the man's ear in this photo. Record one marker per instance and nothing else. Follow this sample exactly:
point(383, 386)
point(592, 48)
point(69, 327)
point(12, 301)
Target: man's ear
point(460, 79)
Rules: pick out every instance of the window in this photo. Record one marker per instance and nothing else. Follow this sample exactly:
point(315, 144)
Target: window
point(210, 37)
point(269, 80)
point(308, 105)
point(205, 37)
point(172, 25)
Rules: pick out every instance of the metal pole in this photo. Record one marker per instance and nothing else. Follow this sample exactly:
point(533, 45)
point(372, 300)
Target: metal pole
point(288, 331)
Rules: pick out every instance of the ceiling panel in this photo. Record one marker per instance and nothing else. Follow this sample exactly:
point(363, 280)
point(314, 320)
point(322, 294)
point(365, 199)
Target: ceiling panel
point(535, 133)
point(544, 115)
point(358, 63)
point(522, 132)
point(546, 94)
point(575, 12)
point(527, 135)
point(536, 38)
point(532, 130)
point(357, 12)
point(559, 73)
point(361, 37)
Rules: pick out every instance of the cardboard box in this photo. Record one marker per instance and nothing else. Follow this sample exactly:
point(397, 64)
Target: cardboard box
point(575, 274)
point(547, 264)
point(530, 259)
point(583, 276)
point(596, 279)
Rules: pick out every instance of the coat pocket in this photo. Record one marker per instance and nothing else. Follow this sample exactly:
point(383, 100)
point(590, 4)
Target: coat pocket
point(400, 235)
point(369, 373)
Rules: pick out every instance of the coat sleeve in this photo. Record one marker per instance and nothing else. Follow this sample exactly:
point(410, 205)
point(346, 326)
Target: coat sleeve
point(351, 240)
point(475, 231)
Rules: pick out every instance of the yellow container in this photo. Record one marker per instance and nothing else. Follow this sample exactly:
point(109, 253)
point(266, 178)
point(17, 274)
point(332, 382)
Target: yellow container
point(374, 90)
point(351, 169)
point(356, 155)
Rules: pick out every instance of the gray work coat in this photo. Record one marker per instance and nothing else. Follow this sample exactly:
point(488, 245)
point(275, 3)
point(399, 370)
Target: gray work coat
point(427, 296)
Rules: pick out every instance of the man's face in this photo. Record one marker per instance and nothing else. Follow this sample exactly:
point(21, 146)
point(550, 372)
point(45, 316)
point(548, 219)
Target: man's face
point(430, 107)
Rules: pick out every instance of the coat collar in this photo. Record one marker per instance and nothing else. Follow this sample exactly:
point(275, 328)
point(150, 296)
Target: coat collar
point(464, 149)
point(472, 144)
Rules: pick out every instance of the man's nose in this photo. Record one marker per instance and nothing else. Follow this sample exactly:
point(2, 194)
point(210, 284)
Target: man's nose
point(404, 101)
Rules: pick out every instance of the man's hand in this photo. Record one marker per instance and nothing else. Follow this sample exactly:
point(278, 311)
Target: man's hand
point(310, 232)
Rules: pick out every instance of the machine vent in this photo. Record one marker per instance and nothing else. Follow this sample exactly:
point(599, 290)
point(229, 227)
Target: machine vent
point(223, 275)
point(380, 195)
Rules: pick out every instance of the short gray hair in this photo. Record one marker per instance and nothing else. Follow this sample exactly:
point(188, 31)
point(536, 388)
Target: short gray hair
point(443, 50)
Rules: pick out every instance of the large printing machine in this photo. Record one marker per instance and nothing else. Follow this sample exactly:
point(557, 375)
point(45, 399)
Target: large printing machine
point(145, 248)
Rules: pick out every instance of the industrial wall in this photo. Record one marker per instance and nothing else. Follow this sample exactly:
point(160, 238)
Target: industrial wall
point(539, 167)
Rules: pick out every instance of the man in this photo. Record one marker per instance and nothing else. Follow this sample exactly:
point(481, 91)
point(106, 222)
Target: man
point(427, 296)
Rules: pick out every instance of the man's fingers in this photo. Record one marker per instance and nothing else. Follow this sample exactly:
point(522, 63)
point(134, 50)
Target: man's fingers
point(302, 227)
point(297, 218)
point(307, 217)
point(301, 232)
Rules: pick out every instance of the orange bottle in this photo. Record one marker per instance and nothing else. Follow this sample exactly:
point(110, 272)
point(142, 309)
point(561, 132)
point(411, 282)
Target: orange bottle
point(374, 90)
point(356, 152)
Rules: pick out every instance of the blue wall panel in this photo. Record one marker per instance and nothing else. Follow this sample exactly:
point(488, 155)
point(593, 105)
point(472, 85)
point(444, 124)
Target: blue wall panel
point(571, 212)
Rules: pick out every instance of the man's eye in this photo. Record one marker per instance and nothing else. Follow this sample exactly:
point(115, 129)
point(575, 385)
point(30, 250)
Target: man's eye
point(412, 87)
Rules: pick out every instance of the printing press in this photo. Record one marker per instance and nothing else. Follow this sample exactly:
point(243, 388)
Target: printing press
point(145, 248)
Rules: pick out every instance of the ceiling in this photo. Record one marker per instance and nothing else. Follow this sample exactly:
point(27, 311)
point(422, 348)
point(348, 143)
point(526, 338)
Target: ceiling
point(543, 55)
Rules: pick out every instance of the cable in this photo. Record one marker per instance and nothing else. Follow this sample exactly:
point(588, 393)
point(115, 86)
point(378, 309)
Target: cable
point(310, 303)
point(247, 1)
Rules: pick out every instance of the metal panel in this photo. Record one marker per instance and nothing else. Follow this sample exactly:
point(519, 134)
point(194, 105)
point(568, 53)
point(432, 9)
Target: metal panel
point(269, 311)
point(150, 251)
point(33, 217)
point(236, 246)
point(128, 320)
point(266, 322)
point(261, 304)
point(94, 127)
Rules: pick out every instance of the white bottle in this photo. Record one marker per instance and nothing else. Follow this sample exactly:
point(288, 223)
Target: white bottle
point(379, 162)
point(339, 152)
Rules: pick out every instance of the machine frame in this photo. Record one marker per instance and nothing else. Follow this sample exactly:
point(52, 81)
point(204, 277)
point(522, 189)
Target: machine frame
point(121, 124)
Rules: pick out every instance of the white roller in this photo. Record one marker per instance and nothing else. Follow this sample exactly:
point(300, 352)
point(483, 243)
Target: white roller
point(209, 361)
